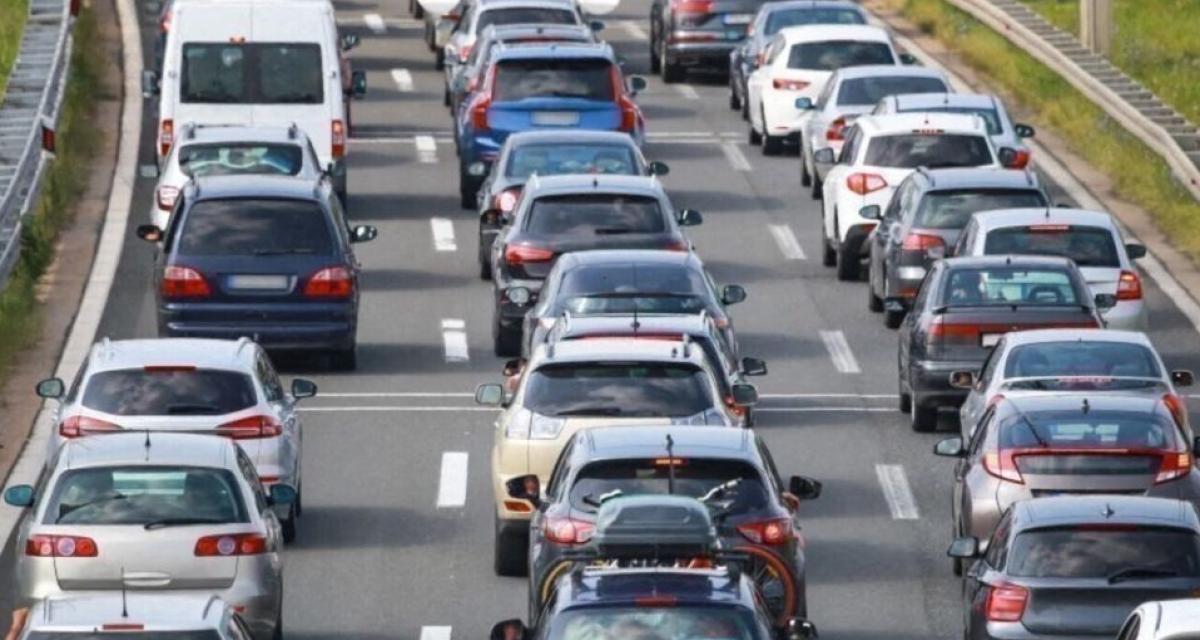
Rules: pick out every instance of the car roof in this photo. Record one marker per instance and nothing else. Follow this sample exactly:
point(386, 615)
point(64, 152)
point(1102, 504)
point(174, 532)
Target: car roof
point(579, 136)
point(625, 349)
point(166, 449)
point(600, 257)
point(192, 133)
point(877, 70)
point(615, 587)
point(157, 610)
point(640, 442)
point(1041, 215)
point(537, 50)
point(825, 32)
point(916, 122)
point(202, 353)
point(979, 178)
point(1021, 260)
point(254, 186)
point(910, 101)
point(1074, 401)
point(586, 183)
point(1108, 509)
point(1035, 336)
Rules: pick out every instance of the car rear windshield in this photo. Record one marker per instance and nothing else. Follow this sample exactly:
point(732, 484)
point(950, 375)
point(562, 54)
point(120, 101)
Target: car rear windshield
point(953, 209)
point(1095, 429)
point(586, 78)
point(632, 279)
point(169, 391)
point(145, 495)
point(990, 117)
point(123, 635)
point(869, 91)
point(653, 623)
point(694, 478)
point(251, 226)
point(835, 54)
point(1101, 358)
point(1005, 286)
point(1087, 246)
point(565, 158)
point(257, 73)
point(632, 389)
point(937, 150)
point(1104, 552)
point(799, 17)
point(596, 214)
point(199, 160)
point(525, 15)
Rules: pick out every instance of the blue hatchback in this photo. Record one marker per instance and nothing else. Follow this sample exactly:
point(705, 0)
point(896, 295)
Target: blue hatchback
point(543, 86)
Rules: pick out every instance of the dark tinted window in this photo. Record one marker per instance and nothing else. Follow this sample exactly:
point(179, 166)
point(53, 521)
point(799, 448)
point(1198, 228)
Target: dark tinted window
point(565, 158)
point(1081, 358)
point(912, 150)
point(798, 17)
point(835, 54)
point(260, 73)
point(141, 495)
point(990, 117)
point(197, 160)
point(590, 79)
point(618, 288)
point(618, 389)
point(1003, 286)
point(1098, 552)
point(651, 623)
point(869, 91)
point(1091, 430)
point(1087, 246)
point(137, 392)
point(598, 214)
point(693, 477)
point(525, 15)
point(952, 209)
point(247, 226)
point(123, 635)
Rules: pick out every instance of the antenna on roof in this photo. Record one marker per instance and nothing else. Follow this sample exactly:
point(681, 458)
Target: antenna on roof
point(636, 323)
point(1047, 212)
point(595, 183)
point(945, 99)
point(124, 605)
point(146, 445)
point(1086, 407)
point(670, 465)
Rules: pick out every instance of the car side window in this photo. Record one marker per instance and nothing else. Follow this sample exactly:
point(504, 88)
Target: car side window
point(251, 476)
point(989, 365)
point(966, 240)
point(823, 98)
point(850, 149)
point(923, 293)
point(269, 378)
point(770, 462)
point(173, 222)
point(312, 155)
point(892, 213)
point(979, 435)
point(339, 219)
point(558, 475)
point(773, 50)
point(73, 392)
point(997, 551)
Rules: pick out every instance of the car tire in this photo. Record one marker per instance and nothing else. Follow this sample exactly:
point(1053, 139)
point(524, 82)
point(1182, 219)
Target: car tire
point(847, 263)
point(288, 526)
point(439, 60)
point(734, 103)
point(505, 344)
point(874, 302)
point(817, 192)
point(922, 418)
point(485, 269)
point(892, 319)
point(805, 178)
point(467, 189)
point(753, 137)
point(746, 107)
point(446, 97)
point(671, 72)
point(655, 63)
point(509, 553)
point(344, 359)
point(828, 255)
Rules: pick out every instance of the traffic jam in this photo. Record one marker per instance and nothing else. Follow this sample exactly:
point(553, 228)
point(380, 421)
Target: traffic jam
point(633, 494)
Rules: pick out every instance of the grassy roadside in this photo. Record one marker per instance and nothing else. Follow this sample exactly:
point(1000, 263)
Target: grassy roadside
point(12, 24)
point(63, 183)
point(1139, 175)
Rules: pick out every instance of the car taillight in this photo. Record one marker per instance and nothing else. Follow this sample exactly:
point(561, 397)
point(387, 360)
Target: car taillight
point(1174, 465)
point(1002, 465)
point(479, 111)
point(629, 111)
point(56, 546)
point(789, 85)
point(836, 129)
point(1006, 602)
point(1177, 408)
point(692, 6)
point(251, 428)
point(731, 406)
point(1020, 159)
point(518, 254)
point(506, 200)
point(231, 544)
point(568, 531)
point(184, 282)
point(164, 23)
point(166, 135)
point(677, 245)
point(932, 245)
point(77, 426)
point(330, 282)
point(166, 197)
point(337, 137)
point(1129, 287)
point(864, 183)
point(775, 531)
point(954, 333)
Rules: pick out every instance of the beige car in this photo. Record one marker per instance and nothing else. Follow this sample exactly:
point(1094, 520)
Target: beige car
point(585, 383)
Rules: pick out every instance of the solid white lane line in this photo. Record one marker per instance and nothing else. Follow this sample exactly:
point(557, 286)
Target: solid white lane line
point(443, 235)
point(375, 22)
point(447, 408)
point(452, 491)
point(735, 156)
point(454, 339)
point(839, 352)
point(897, 492)
point(467, 394)
point(634, 30)
point(890, 396)
point(823, 409)
point(403, 79)
point(426, 149)
point(687, 91)
point(786, 239)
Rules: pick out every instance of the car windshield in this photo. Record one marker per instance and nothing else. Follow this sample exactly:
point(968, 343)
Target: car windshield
point(255, 73)
point(693, 478)
point(199, 160)
point(869, 91)
point(1003, 286)
point(1102, 551)
point(627, 389)
point(990, 117)
point(930, 150)
point(1101, 358)
point(566, 158)
point(953, 209)
point(167, 391)
point(1087, 246)
point(650, 623)
point(123, 635)
point(595, 214)
point(525, 15)
point(145, 495)
point(251, 226)
point(586, 78)
point(835, 54)
point(785, 18)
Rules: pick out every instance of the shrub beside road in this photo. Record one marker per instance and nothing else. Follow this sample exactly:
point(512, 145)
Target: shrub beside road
point(12, 24)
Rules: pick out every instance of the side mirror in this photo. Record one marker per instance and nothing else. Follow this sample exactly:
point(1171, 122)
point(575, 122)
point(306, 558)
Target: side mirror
point(1008, 158)
point(1105, 301)
point(733, 294)
point(1023, 130)
point(1135, 250)
point(149, 233)
point(804, 487)
point(949, 448)
point(150, 85)
point(20, 495)
point(908, 58)
point(804, 104)
point(659, 168)
point(489, 394)
point(637, 84)
point(350, 41)
point(596, 25)
point(871, 212)
point(966, 547)
point(363, 233)
point(509, 630)
point(525, 488)
point(477, 169)
point(281, 495)
point(962, 379)
point(303, 388)
point(1182, 378)
point(358, 84)
point(798, 629)
point(824, 156)
point(51, 388)
point(754, 367)
point(519, 296)
point(744, 395)
point(689, 218)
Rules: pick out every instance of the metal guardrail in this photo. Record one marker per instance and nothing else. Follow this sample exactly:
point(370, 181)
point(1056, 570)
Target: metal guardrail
point(31, 104)
point(1125, 100)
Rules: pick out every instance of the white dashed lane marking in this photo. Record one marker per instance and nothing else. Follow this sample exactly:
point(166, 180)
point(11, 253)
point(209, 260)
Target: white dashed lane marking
point(786, 239)
point(375, 23)
point(403, 80)
point(452, 490)
point(687, 91)
point(897, 492)
point(634, 30)
point(443, 234)
point(736, 158)
point(454, 339)
point(839, 352)
point(426, 149)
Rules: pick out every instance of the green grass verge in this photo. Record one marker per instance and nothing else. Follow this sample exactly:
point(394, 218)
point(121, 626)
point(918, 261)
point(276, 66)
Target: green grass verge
point(63, 183)
point(12, 24)
point(1139, 175)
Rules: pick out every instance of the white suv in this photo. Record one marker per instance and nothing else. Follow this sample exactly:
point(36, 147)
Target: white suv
point(879, 153)
point(1163, 620)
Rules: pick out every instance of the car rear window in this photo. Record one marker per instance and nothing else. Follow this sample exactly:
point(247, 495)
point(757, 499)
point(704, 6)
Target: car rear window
point(936, 150)
point(633, 279)
point(251, 226)
point(869, 91)
point(144, 495)
point(123, 635)
point(1094, 429)
point(835, 54)
point(566, 158)
point(799, 17)
point(653, 623)
point(627, 389)
point(198, 160)
point(1087, 246)
point(1005, 286)
point(1081, 358)
point(255, 73)
point(587, 78)
point(596, 214)
point(990, 117)
point(1102, 551)
point(169, 391)
point(694, 477)
point(525, 15)
point(953, 209)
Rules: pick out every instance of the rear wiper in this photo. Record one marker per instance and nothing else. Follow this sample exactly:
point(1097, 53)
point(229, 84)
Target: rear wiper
point(189, 409)
point(281, 252)
point(1134, 573)
point(613, 231)
point(591, 411)
point(595, 501)
point(181, 522)
point(63, 510)
point(1034, 430)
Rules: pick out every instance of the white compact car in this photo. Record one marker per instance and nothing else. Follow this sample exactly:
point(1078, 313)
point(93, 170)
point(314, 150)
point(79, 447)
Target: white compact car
point(128, 616)
point(1163, 620)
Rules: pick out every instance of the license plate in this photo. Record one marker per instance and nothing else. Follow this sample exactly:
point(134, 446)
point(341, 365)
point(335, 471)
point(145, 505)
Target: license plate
point(556, 118)
point(989, 339)
point(258, 282)
point(738, 18)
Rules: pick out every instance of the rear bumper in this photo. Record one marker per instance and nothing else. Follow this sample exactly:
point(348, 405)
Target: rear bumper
point(712, 55)
point(323, 326)
point(931, 379)
point(1017, 631)
point(1128, 315)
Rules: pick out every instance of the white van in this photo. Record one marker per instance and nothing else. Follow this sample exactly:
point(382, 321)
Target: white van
point(257, 62)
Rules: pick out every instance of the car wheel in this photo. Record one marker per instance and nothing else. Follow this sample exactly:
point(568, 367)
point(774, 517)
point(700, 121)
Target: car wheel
point(467, 189)
point(805, 178)
point(505, 343)
point(446, 97)
point(923, 419)
point(746, 107)
point(754, 138)
point(847, 263)
point(734, 103)
point(439, 60)
point(828, 255)
point(892, 319)
point(344, 359)
point(300, 500)
point(509, 553)
point(817, 193)
point(289, 527)
point(672, 72)
point(485, 268)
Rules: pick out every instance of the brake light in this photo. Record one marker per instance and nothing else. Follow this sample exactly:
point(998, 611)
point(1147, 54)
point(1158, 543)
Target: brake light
point(789, 85)
point(517, 254)
point(231, 544)
point(677, 245)
point(479, 111)
point(330, 282)
point(337, 136)
point(166, 136)
point(931, 245)
point(1174, 465)
point(251, 428)
point(1176, 407)
point(568, 531)
point(775, 531)
point(734, 408)
point(166, 197)
point(54, 546)
point(836, 129)
point(1129, 287)
point(1002, 466)
point(1006, 602)
point(77, 426)
point(506, 200)
point(629, 110)
point(864, 183)
point(692, 6)
point(1020, 159)
point(655, 601)
point(184, 282)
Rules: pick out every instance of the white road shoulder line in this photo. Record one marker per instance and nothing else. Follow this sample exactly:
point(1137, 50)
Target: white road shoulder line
point(461, 408)
point(634, 30)
point(426, 149)
point(786, 239)
point(687, 91)
point(435, 633)
point(443, 235)
point(839, 352)
point(468, 394)
point(375, 23)
point(403, 80)
point(452, 490)
point(735, 156)
point(454, 339)
point(897, 492)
